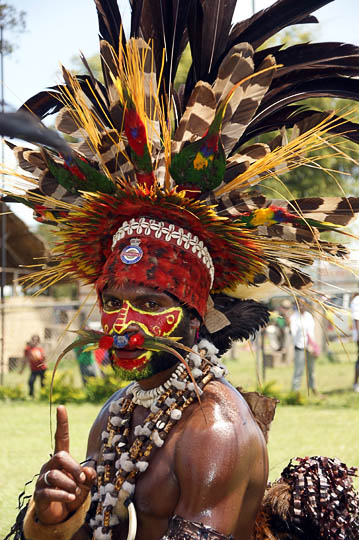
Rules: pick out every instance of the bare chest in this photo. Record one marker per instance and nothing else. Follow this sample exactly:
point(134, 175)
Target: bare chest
point(156, 493)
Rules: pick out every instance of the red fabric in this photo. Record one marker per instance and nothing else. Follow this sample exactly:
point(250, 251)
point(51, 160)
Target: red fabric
point(36, 358)
point(164, 266)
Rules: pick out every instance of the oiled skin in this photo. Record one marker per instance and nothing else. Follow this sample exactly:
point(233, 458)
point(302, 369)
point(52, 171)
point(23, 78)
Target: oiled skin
point(212, 468)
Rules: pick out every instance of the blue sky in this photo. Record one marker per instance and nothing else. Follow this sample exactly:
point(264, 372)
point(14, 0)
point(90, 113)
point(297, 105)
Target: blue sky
point(58, 29)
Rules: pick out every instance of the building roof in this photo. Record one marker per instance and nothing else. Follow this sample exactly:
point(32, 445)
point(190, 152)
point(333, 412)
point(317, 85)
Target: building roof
point(23, 247)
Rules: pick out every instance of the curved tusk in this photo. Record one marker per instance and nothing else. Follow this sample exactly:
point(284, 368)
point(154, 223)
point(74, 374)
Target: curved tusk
point(132, 522)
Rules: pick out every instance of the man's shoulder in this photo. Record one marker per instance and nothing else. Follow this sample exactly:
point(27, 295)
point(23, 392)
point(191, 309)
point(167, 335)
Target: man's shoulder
point(222, 411)
point(219, 434)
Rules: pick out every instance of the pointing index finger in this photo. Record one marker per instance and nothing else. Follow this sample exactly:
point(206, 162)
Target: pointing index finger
point(62, 436)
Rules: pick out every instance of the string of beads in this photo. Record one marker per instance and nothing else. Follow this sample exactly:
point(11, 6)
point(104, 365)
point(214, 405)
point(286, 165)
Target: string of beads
point(122, 462)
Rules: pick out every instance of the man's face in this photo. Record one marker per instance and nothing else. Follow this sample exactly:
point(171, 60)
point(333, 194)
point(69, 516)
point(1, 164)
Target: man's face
point(134, 309)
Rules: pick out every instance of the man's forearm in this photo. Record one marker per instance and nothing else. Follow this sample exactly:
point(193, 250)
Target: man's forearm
point(182, 529)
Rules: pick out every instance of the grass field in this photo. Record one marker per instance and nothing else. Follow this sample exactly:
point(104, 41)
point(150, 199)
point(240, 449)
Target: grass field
point(328, 425)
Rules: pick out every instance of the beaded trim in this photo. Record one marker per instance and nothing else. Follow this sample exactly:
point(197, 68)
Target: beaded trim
point(169, 233)
point(147, 397)
point(121, 462)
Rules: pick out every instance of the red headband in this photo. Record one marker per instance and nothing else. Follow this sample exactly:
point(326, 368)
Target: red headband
point(162, 256)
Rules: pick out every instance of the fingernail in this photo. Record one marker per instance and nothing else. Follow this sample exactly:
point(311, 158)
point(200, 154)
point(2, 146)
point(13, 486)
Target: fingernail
point(82, 477)
point(78, 491)
point(71, 497)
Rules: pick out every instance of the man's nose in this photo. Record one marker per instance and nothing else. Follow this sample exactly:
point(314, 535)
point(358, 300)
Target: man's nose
point(133, 327)
point(121, 326)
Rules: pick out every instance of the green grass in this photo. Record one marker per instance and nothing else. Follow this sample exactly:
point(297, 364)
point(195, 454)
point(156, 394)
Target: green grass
point(26, 446)
point(328, 425)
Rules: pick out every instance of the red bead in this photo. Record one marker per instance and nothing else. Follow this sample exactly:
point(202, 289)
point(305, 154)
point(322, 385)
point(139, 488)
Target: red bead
point(106, 342)
point(135, 341)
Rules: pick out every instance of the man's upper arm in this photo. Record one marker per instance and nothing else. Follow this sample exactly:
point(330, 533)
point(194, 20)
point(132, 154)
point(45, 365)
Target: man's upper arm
point(215, 464)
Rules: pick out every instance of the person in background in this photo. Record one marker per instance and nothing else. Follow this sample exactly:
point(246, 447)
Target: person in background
point(86, 359)
point(285, 310)
point(34, 355)
point(305, 349)
point(354, 306)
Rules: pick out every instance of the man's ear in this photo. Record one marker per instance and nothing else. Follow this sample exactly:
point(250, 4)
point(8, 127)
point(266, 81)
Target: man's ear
point(194, 322)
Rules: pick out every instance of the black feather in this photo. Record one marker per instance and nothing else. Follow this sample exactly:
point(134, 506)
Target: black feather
point(165, 23)
point(318, 59)
point(333, 87)
point(271, 20)
point(23, 125)
point(246, 318)
point(110, 22)
point(290, 115)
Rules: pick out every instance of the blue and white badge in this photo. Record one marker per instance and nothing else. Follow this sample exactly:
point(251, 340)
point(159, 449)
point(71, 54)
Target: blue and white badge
point(133, 253)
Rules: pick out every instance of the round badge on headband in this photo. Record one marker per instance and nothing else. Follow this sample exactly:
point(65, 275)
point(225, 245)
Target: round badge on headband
point(133, 253)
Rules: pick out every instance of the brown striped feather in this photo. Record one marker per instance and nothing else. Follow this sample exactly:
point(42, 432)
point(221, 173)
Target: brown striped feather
point(197, 117)
point(255, 89)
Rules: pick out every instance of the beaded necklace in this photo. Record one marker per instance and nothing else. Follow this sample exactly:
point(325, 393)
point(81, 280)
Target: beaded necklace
point(115, 490)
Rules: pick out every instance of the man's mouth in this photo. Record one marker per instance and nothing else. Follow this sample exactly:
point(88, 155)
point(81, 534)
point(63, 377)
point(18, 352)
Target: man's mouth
point(130, 359)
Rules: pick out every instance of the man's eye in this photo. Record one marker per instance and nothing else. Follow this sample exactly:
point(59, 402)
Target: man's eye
point(151, 306)
point(112, 303)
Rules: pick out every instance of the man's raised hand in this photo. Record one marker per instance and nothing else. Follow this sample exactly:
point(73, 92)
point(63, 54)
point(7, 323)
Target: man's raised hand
point(63, 484)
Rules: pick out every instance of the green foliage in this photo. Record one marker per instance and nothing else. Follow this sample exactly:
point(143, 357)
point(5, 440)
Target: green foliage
point(99, 389)
point(64, 389)
point(293, 398)
point(12, 20)
point(272, 389)
point(339, 174)
point(94, 63)
point(12, 393)
point(183, 67)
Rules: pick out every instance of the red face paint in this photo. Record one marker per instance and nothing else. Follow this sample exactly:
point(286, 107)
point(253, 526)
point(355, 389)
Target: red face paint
point(161, 323)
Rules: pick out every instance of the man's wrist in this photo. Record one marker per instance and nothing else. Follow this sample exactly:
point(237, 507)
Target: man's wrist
point(34, 529)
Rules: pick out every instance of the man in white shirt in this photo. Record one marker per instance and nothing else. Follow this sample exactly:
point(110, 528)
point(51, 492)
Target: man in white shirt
point(354, 306)
point(302, 329)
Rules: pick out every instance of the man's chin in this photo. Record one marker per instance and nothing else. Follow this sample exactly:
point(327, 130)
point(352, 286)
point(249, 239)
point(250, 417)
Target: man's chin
point(132, 365)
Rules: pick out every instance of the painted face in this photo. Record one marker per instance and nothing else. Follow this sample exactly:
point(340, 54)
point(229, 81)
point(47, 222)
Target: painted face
point(155, 324)
point(122, 316)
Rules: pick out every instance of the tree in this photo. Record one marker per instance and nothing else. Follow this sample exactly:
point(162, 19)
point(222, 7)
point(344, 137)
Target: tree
point(13, 21)
point(94, 63)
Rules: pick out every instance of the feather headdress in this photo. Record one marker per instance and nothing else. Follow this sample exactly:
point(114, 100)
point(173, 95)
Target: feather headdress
point(190, 158)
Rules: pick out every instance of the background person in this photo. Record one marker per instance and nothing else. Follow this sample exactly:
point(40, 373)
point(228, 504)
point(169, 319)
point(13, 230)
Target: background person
point(302, 327)
point(285, 310)
point(87, 364)
point(35, 356)
point(354, 306)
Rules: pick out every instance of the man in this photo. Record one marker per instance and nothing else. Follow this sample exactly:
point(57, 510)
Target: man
point(153, 207)
point(302, 328)
point(34, 355)
point(213, 469)
point(354, 307)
